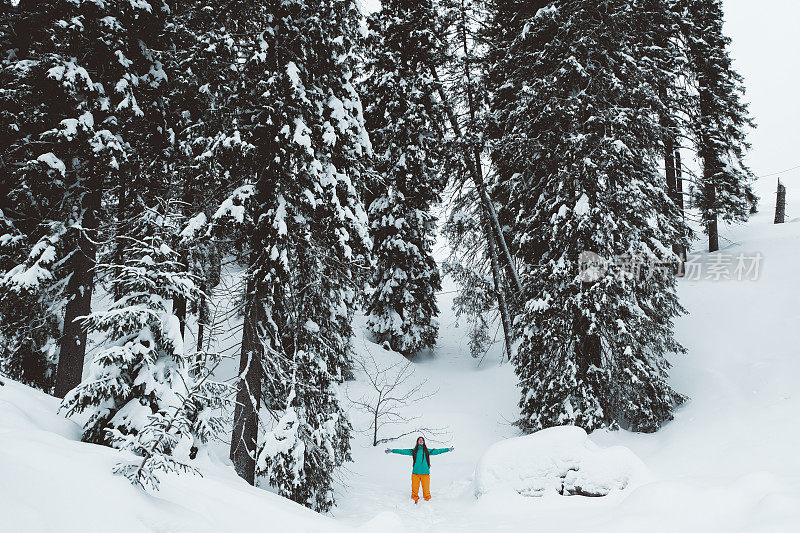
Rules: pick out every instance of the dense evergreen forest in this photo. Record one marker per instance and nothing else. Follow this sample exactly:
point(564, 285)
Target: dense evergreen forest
point(149, 144)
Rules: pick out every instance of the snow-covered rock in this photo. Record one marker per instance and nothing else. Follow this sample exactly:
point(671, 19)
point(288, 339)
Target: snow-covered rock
point(557, 460)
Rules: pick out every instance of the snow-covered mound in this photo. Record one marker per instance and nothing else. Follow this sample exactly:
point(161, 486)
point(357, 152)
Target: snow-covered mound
point(53, 482)
point(557, 460)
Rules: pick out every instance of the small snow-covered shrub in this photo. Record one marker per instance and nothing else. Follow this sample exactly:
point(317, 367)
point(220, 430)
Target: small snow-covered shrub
point(557, 460)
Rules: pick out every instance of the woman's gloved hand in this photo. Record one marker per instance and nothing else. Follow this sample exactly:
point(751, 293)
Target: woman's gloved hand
point(388, 450)
point(452, 448)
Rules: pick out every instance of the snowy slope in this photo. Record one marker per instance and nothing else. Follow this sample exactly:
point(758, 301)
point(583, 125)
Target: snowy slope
point(51, 482)
point(735, 443)
point(728, 462)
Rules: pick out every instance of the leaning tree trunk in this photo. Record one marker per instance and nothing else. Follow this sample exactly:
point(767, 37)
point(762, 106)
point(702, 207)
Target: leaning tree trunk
point(245, 419)
point(477, 173)
point(473, 166)
point(494, 223)
point(491, 225)
point(499, 287)
point(79, 294)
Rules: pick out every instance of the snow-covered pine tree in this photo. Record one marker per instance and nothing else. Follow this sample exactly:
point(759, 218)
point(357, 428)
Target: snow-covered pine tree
point(403, 117)
point(576, 107)
point(29, 325)
point(40, 191)
point(316, 238)
point(202, 82)
point(303, 128)
point(87, 80)
point(142, 393)
point(719, 120)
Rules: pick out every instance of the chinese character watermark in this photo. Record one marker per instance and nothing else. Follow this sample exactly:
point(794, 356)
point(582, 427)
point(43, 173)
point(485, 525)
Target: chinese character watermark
point(725, 267)
point(714, 267)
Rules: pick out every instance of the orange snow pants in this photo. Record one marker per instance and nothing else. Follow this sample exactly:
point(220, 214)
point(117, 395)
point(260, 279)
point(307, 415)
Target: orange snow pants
point(416, 479)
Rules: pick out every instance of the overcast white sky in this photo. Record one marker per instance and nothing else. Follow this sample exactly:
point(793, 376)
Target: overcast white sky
point(765, 49)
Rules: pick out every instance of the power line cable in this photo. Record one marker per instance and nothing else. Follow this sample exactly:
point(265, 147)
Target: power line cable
point(779, 172)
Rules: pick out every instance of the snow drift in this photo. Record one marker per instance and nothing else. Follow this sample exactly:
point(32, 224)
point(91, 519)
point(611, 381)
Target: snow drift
point(54, 482)
point(557, 460)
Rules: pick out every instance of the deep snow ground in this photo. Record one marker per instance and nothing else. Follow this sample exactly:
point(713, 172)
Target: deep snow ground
point(473, 406)
point(728, 462)
point(51, 482)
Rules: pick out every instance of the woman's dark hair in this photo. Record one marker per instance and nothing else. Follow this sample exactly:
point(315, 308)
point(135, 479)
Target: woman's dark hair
point(424, 452)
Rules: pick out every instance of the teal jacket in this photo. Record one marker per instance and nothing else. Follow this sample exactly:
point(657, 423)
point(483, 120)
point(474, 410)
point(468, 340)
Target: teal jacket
point(420, 465)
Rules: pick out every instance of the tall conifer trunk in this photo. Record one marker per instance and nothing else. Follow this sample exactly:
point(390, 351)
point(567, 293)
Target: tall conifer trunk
point(677, 189)
point(710, 162)
point(711, 226)
point(245, 418)
point(674, 185)
point(79, 294)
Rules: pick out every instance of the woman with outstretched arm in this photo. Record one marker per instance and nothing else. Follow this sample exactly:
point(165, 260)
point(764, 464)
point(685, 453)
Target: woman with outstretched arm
point(421, 466)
